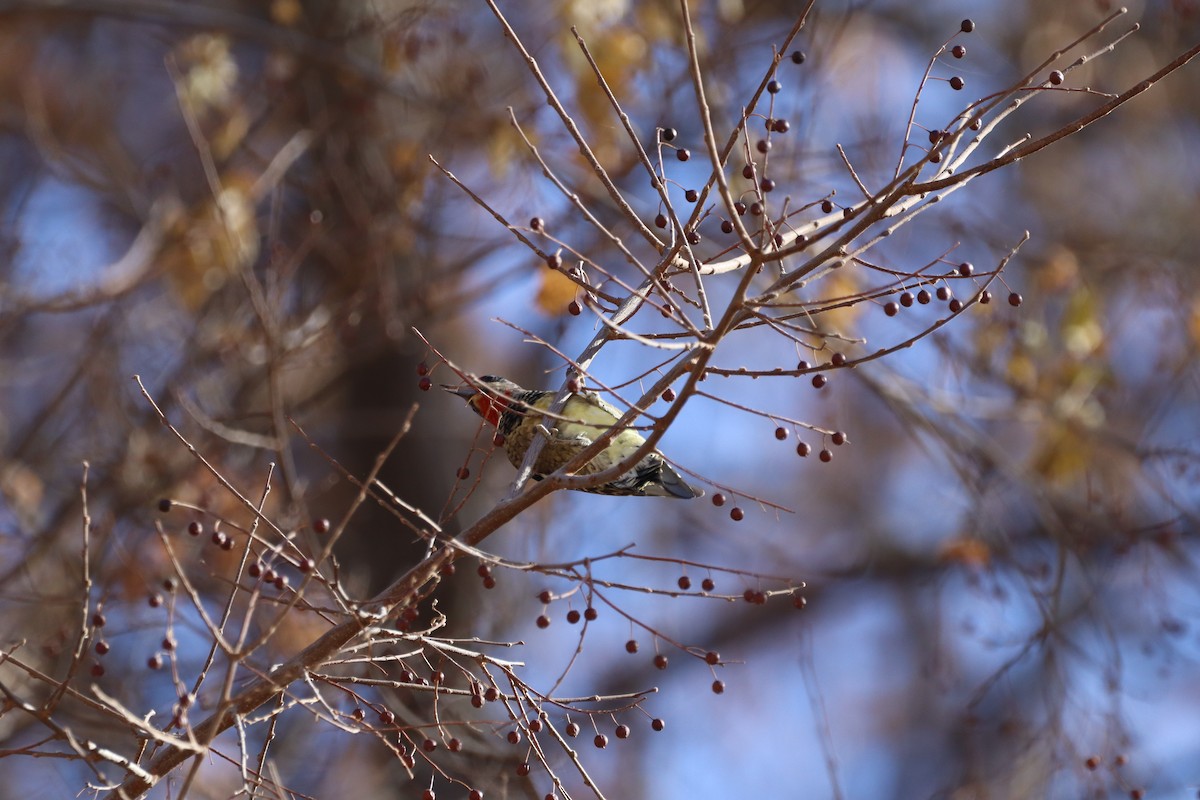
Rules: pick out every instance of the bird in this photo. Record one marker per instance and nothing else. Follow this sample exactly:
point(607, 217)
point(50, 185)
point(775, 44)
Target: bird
point(517, 415)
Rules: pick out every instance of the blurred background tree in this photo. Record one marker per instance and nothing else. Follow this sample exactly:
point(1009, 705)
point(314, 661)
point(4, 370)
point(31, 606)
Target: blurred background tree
point(235, 202)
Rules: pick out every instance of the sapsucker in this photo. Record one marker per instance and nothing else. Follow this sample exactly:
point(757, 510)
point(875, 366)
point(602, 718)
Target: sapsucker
point(517, 415)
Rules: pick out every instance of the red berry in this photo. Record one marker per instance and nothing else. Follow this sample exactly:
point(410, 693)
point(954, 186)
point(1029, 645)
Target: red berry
point(660, 661)
point(572, 729)
point(708, 584)
point(736, 514)
point(622, 731)
point(718, 499)
point(658, 724)
point(781, 433)
point(590, 614)
point(1014, 299)
point(600, 741)
point(514, 737)
point(684, 582)
point(631, 646)
point(320, 525)
point(718, 687)
point(712, 657)
point(818, 381)
point(660, 221)
point(195, 528)
point(543, 621)
point(425, 384)
point(573, 616)
point(423, 368)
point(826, 456)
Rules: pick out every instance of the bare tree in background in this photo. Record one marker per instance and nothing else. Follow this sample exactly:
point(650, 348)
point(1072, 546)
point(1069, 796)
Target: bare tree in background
point(243, 552)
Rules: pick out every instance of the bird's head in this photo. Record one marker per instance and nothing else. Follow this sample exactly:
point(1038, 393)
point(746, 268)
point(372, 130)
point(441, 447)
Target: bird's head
point(489, 397)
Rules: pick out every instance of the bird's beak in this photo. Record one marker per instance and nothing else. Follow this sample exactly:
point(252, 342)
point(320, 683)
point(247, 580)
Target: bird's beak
point(465, 392)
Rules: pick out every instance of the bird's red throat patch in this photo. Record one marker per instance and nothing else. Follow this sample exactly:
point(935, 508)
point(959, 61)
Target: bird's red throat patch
point(488, 407)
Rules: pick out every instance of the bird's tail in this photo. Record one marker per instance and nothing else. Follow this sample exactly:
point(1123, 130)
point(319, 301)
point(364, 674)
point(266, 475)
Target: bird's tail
point(669, 484)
